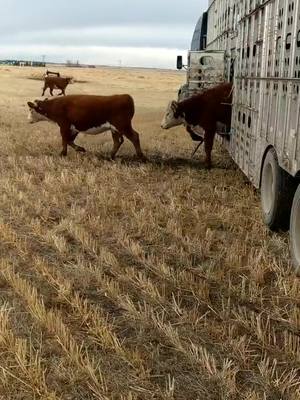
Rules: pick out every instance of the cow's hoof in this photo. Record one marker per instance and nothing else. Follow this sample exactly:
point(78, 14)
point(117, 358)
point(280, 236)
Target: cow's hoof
point(143, 158)
point(207, 164)
point(63, 154)
point(80, 149)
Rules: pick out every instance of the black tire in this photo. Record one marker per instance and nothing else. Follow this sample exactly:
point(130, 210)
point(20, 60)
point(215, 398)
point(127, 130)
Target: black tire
point(277, 193)
point(295, 232)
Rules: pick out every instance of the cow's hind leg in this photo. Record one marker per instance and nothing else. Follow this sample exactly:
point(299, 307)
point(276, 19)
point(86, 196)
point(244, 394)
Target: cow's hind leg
point(44, 89)
point(208, 143)
point(118, 141)
point(133, 136)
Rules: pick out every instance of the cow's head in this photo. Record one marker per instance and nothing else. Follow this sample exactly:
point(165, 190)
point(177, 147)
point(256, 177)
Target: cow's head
point(36, 111)
point(173, 116)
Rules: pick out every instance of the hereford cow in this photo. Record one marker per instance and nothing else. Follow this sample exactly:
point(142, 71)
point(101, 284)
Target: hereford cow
point(204, 111)
point(56, 82)
point(91, 115)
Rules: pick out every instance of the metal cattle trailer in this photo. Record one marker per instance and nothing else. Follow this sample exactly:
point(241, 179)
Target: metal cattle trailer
point(259, 43)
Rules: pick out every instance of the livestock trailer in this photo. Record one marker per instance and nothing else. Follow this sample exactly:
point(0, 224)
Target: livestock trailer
point(256, 44)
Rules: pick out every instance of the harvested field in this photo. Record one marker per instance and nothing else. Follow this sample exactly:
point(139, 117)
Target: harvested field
point(128, 280)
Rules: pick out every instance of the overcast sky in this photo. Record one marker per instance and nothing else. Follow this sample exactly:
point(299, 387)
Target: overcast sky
point(148, 33)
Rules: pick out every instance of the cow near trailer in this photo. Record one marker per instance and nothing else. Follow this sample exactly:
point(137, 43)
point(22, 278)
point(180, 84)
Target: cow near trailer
point(204, 110)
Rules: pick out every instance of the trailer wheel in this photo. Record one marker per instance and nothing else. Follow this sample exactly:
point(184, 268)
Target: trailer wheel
point(277, 192)
point(295, 231)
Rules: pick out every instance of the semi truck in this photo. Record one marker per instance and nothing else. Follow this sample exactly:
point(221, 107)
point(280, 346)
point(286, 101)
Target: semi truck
point(256, 45)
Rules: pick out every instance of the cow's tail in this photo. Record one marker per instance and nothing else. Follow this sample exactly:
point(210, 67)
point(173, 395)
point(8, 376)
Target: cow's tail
point(131, 105)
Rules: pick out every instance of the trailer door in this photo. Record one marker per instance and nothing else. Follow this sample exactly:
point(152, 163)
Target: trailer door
point(205, 69)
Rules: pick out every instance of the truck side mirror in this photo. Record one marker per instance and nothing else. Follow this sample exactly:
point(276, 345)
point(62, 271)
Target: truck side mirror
point(179, 62)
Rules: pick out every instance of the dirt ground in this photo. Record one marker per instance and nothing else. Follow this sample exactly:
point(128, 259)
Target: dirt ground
point(129, 280)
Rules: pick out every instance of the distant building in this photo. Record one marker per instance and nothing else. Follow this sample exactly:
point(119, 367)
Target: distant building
point(22, 63)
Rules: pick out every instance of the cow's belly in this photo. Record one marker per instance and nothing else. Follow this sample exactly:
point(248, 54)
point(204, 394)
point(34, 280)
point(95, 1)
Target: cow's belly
point(95, 130)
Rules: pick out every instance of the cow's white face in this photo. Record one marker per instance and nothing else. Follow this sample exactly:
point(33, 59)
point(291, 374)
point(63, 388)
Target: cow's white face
point(171, 118)
point(33, 115)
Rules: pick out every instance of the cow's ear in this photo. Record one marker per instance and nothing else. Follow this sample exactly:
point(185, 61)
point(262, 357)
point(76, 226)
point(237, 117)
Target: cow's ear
point(174, 106)
point(30, 104)
point(177, 110)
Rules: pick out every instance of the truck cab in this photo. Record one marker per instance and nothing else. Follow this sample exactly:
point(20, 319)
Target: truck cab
point(205, 68)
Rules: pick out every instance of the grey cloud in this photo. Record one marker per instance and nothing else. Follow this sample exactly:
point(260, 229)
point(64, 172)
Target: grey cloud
point(84, 24)
point(31, 15)
point(138, 36)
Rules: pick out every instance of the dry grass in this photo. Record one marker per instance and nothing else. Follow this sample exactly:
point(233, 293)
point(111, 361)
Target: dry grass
point(122, 280)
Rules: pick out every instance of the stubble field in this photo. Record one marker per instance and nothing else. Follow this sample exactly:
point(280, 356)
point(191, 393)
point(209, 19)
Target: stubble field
point(128, 280)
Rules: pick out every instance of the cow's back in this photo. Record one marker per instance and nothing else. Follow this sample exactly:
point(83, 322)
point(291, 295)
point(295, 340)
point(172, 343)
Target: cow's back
point(50, 81)
point(215, 104)
point(85, 111)
point(56, 81)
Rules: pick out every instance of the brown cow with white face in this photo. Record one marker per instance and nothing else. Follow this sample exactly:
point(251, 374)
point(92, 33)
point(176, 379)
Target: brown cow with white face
point(202, 111)
point(90, 115)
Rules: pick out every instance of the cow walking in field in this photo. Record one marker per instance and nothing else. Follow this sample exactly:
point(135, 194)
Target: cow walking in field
point(90, 115)
point(204, 111)
point(56, 82)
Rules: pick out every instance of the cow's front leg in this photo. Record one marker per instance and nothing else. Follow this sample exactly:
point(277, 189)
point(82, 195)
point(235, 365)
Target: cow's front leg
point(66, 138)
point(73, 135)
point(194, 136)
point(208, 143)
point(76, 147)
point(64, 151)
